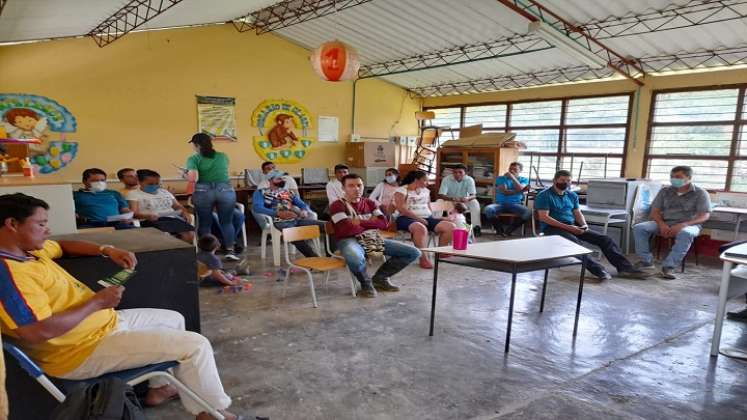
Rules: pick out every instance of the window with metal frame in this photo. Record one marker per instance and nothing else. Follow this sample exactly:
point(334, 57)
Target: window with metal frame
point(572, 133)
point(449, 120)
point(703, 129)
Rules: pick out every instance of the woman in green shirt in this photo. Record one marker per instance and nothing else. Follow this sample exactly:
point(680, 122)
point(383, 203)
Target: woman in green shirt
point(208, 168)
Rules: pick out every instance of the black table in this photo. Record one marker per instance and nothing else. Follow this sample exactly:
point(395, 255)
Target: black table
point(515, 256)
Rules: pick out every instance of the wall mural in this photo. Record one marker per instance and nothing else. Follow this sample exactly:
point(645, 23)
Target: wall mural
point(278, 121)
point(25, 116)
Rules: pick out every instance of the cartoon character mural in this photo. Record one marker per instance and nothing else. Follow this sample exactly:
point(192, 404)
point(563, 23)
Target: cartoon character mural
point(279, 119)
point(24, 116)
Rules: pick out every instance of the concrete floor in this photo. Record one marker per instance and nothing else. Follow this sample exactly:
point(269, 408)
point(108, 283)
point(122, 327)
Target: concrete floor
point(641, 351)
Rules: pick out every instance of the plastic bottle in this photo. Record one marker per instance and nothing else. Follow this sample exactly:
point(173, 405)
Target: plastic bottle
point(28, 169)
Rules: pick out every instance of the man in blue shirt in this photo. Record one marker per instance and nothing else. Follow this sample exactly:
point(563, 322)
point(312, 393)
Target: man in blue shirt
point(509, 195)
point(286, 209)
point(559, 214)
point(94, 203)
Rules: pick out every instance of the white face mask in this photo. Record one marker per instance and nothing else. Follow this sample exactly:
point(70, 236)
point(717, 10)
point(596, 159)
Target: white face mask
point(390, 179)
point(98, 186)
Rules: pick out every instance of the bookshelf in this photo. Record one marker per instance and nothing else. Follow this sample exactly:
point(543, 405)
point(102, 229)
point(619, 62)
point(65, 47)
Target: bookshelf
point(483, 164)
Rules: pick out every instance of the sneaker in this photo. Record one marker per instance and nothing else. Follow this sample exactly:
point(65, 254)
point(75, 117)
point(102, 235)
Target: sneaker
point(633, 273)
point(367, 291)
point(641, 265)
point(738, 315)
point(385, 285)
point(238, 249)
point(604, 276)
point(667, 273)
point(230, 256)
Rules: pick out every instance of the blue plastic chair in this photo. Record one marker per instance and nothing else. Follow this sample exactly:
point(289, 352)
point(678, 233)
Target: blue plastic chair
point(131, 376)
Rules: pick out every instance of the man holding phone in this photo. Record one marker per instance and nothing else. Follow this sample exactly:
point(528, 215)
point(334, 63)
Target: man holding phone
point(73, 332)
point(559, 214)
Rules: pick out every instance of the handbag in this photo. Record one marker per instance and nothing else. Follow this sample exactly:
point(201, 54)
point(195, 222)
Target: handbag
point(370, 240)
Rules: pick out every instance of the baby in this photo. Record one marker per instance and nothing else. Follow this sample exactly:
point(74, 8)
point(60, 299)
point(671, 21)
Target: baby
point(456, 215)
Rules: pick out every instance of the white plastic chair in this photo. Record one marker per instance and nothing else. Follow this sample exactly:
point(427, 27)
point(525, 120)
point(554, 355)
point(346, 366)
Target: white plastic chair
point(269, 231)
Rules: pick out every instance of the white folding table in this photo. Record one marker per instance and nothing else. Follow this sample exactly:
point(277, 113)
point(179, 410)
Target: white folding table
point(515, 256)
point(733, 283)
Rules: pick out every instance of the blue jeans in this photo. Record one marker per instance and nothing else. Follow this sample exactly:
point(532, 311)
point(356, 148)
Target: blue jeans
point(493, 210)
point(642, 233)
point(237, 219)
point(400, 253)
point(222, 197)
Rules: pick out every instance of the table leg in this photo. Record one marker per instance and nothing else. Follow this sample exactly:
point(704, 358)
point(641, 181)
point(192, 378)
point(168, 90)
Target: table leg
point(544, 289)
point(736, 230)
point(433, 298)
point(580, 293)
point(511, 307)
point(720, 311)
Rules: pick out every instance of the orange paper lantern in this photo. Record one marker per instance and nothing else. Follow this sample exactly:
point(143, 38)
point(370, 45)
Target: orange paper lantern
point(335, 61)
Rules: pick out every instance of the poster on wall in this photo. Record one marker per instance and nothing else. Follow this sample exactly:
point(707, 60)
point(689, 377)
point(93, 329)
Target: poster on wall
point(43, 120)
point(328, 128)
point(216, 117)
point(284, 131)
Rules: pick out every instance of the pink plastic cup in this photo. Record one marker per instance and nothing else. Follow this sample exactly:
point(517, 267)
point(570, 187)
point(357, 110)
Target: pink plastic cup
point(459, 239)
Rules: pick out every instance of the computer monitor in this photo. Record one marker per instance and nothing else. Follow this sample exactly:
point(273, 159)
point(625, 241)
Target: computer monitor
point(253, 177)
point(314, 176)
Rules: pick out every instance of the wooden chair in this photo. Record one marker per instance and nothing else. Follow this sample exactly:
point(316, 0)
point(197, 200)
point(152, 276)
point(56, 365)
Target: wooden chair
point(308, 264)
point(659, 240)
point(513, 216)
point(203, 271)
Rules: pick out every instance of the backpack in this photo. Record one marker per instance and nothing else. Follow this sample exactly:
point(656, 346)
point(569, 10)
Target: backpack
point(107, 399)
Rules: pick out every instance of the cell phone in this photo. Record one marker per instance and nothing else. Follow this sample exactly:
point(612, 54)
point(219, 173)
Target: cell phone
point(117, 279)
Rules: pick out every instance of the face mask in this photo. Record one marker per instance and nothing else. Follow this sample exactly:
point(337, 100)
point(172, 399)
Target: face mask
point(151, 189)
point(562, 186)
point(280, 184)
point(98, 186)
point(678, 182)
point(391, 179)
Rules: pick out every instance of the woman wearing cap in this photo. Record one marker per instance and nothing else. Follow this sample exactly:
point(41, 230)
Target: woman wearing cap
point(208, 168)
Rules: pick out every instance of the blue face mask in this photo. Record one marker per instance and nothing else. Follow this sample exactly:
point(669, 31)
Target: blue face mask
point(678, 182)
point(151, 189)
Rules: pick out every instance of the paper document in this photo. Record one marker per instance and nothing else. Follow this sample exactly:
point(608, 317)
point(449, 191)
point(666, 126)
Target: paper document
point(120, 217)
point(173, 213)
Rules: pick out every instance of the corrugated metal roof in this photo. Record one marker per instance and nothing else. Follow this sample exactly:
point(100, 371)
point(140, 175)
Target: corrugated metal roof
point(387, 30)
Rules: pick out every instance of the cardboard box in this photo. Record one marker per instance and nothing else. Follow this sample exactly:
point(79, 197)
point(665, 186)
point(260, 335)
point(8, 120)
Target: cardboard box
point(369, 154)
point(482, 140)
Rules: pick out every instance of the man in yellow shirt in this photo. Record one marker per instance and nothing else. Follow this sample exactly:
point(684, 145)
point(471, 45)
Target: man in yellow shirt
point(75, 333)
point(128, 178)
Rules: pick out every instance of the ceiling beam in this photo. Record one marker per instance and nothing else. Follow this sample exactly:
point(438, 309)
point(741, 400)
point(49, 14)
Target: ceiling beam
point(290, 12)
point(534, 11)
point(653, 64)
point(693, 13)
point(131, 16)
